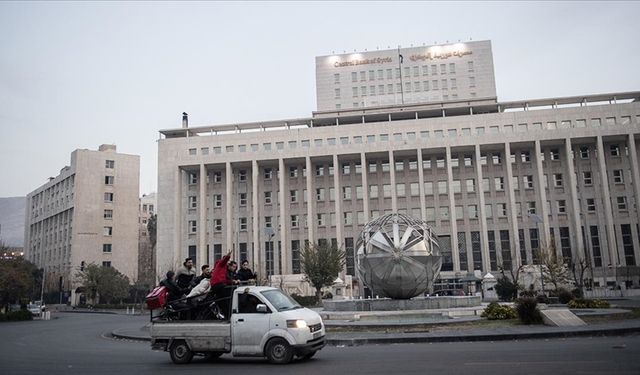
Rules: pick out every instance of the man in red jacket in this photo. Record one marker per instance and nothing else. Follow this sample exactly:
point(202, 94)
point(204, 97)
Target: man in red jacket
point(221, 278)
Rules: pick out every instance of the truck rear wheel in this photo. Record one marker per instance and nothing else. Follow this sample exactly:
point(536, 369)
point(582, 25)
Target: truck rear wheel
point(180, 352)
point(279, 351)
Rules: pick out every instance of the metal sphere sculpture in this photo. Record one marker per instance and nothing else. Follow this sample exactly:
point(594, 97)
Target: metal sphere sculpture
point(398, 256)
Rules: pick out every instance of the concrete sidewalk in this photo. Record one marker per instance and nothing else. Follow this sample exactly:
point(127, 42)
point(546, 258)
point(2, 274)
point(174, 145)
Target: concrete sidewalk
point(449, 334)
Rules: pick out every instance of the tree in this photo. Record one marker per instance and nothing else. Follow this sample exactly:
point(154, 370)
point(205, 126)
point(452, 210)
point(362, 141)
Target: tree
point(17, 280)
point(508, 286)
point(506, 289)
point(152, 228)
point(578, 269)
point(103, 284)
point(321, 264)
point(555, 270)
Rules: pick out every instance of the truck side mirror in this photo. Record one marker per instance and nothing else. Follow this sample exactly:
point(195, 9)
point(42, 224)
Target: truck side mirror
point(261, 308)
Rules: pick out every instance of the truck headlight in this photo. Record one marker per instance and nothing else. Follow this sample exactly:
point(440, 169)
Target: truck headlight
point(296, 324)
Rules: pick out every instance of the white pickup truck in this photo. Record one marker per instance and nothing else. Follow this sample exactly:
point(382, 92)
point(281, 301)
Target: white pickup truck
point(264, 322)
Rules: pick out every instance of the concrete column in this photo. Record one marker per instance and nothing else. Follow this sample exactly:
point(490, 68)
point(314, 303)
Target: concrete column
point(576, 227)
point(284, 222)
point(606, 198)
point(338, 200)
point(635, 177)
point(365, 187)
point(257, 258)
point(310, 203)
point(513, 215)
point(452, 212)
point(392, 177)
point(229, 225)
point(542, 196)
point(484, 237)
point(178, 246)
point(423, 201)
point(202, 220)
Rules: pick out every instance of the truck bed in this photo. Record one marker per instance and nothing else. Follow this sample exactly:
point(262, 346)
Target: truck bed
point(200, 335)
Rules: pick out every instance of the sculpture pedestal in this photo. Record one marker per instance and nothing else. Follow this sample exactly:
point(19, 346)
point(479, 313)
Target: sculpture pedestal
point(387, 304)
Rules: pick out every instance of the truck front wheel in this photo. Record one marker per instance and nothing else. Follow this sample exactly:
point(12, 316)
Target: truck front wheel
point(180, 353)
point(279, 351)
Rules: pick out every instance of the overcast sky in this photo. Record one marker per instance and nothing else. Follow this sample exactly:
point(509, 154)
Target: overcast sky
point(77, 75)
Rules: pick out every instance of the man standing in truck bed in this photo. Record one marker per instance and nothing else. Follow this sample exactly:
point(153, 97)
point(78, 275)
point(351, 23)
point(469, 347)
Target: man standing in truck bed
point(222, 278)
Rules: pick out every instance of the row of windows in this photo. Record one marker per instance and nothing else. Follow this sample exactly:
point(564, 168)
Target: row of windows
point(472, 255)
point(498, 210)
point(408, 71)
point(467, 160)
point(424, 134)
point(416, 86)
point(408, 99)
point(414, 190)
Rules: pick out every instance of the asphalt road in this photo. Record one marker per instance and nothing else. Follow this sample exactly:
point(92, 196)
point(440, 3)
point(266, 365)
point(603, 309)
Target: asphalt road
point(76, 344)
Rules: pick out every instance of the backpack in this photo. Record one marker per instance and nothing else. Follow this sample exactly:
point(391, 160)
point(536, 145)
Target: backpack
point(157, 298)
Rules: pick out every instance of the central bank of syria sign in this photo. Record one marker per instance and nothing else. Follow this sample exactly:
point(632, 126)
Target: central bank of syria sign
point(439, 55)
point(375, 60)
point(414, 57)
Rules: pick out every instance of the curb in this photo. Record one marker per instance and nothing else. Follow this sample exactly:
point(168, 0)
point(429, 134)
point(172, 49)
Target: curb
point(438, 339)
point(87, 312)
point(475, 338)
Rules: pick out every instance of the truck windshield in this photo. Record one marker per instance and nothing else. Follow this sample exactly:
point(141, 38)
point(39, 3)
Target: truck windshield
point(280, 300)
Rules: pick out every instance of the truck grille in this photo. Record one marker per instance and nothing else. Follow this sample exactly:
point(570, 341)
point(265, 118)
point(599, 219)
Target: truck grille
point(315, 327)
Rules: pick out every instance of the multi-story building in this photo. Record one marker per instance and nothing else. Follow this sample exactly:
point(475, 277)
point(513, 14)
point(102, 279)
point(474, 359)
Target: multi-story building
point(146, 244)
point(426, 74)
point(497, 181)
point(86, 214)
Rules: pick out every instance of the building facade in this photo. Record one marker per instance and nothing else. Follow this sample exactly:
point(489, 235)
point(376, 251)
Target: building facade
point(426, 74)
point(497, 181)
point(87, 214)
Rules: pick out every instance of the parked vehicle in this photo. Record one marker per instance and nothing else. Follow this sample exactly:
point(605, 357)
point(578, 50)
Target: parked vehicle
point(264, 322)
point(36, 308)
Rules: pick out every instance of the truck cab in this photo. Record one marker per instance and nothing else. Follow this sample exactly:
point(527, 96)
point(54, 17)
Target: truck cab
point(264, 322)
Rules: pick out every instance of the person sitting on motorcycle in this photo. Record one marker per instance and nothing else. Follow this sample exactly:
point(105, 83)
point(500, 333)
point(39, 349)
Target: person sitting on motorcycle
point(173, 290)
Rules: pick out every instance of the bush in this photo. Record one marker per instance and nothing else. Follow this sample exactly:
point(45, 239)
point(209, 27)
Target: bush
point(16, 316)
point(305, 300)
point(543, 299)
point(577, 293)
point(527, 309)
point(580, 303)
point(495, 311)
point(564, 296)
point(506, 289)
point(529, 293)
